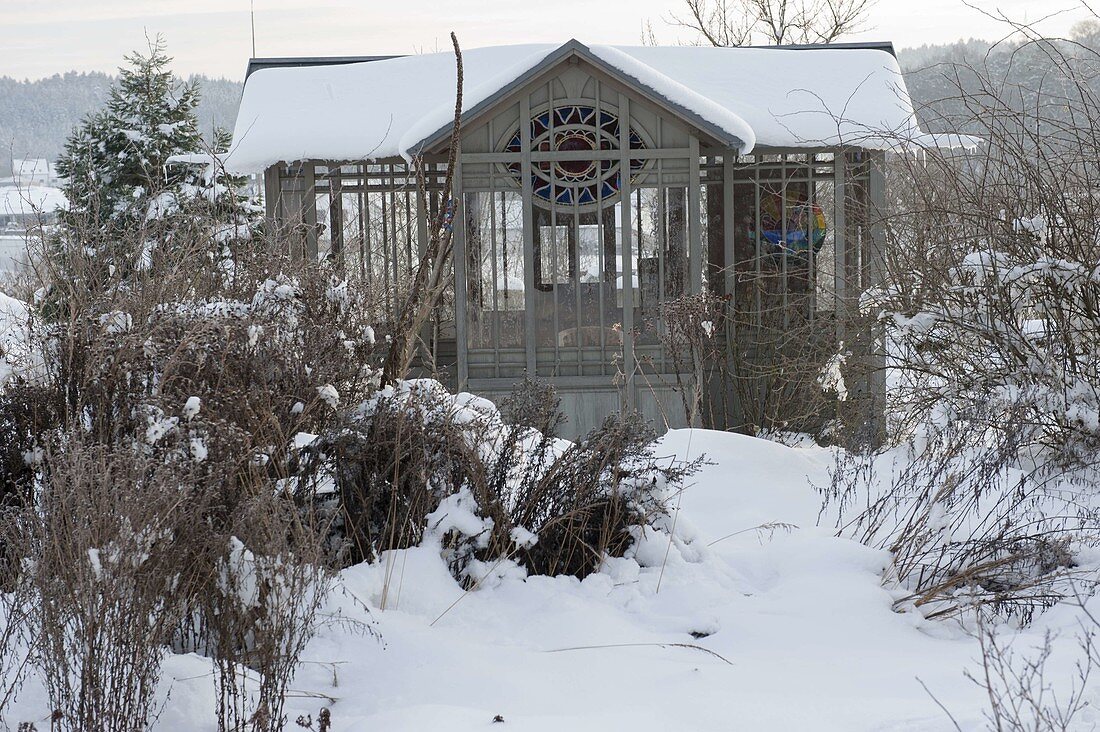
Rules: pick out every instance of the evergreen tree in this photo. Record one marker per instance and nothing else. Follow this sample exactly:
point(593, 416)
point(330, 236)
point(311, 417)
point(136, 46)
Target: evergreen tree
point(115, 160)
point(127, 202)
point(220, 202)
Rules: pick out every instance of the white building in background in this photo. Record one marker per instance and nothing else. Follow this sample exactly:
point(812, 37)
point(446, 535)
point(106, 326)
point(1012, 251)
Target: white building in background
point(28, 208)
point(34, 172)
point(25, 207)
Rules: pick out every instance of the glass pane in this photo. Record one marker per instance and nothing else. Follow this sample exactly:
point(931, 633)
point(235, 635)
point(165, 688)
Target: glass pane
point(494, 270)
point(578, 311)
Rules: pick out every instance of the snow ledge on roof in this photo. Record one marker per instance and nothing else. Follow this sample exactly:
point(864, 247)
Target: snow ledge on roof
point(751, 97)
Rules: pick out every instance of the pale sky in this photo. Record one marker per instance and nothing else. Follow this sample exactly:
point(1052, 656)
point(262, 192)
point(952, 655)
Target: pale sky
point(43, 37)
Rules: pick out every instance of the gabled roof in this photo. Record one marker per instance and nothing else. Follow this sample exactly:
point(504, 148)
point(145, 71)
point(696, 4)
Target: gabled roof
point(352, 108)
point(725, 128)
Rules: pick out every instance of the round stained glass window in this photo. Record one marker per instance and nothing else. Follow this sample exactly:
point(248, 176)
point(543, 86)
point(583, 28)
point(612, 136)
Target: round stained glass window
point(574, 179)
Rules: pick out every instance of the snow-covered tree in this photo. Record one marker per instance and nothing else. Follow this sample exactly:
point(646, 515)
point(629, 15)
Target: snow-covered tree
point(219, 202)
point(115, 160)
point(127, 202)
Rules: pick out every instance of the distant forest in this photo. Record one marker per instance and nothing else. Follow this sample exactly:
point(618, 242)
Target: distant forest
point(37, 116)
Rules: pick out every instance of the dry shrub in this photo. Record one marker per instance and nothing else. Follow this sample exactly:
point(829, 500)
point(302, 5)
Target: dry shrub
point(991, 305)
point(594, 498)
point(992, 294)
point(751, 370)
point(584, 501)
point(964, 526)
point(400, 454)
point(1021, 694)
point(556, 507)
point(261, 610)
point(17, 432)
point(16, 609)
point(168, 407)
point(105, 541)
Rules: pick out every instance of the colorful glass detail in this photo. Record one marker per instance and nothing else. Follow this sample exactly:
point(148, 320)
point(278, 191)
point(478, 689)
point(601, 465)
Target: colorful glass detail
point(575, 128)
point(805, 225)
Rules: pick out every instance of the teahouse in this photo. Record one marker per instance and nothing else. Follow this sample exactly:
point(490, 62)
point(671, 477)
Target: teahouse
point(594, 186)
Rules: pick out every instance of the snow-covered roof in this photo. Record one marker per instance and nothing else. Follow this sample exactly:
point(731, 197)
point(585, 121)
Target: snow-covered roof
point(33, 166)
point(30, 200)
point(742, 97)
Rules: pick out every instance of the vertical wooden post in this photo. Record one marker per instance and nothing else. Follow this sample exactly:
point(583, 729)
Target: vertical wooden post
point(695, 240)
point(461, 290)
point(695, 251)
point(528, 233)
point(290, 208)
point(309, 209)
point(627, 238)
point(336, 218)
point(840, 242)
point(729, 226)
point(421, 213)
point(874, 271)
point(729, 233)
point(364, 225)
point(271, 195)
point(716, 229)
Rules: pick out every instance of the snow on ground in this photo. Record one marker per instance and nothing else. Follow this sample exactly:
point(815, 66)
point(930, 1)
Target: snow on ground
point(14, 319)
point(801, 631)
point(13, 252)
point(797, 630)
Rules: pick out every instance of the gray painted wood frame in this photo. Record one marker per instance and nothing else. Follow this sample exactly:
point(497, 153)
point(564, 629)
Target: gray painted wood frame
point(528, 233)
point(840, 226)
point(626, 234)
point(875, 268)
point(694, 220)
point(291, 194)
point(461, 293)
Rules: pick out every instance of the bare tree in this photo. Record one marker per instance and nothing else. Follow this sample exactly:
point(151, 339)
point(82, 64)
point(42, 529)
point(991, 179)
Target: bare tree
point(434, 272)
point(772, 22)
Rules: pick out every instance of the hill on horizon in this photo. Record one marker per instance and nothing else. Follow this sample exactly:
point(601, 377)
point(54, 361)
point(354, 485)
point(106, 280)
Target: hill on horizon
point(37, 116)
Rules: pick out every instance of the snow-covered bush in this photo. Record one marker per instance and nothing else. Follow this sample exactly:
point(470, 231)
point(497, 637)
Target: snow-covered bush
point(991, 310)
point(98, 589)
point(210, 382)
point(415, 462)
point(260, 612)
point(569, 506)
point(1015, 328)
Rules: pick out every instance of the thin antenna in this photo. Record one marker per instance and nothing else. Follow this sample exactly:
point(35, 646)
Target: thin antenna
point(252, 15)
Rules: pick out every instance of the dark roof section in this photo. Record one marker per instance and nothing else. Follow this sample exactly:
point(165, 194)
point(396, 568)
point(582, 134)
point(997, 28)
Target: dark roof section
point(887, 46)
point(275, 62)
point(255, 64)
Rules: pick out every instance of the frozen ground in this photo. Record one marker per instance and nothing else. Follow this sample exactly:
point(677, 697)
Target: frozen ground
point(13, 251)
point(797, 631)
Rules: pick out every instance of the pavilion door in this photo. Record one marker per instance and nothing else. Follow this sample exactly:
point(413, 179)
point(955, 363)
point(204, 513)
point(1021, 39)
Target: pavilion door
point(577, 303)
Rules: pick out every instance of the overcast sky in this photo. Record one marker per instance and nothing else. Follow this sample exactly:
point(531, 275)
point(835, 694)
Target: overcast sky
point(213, 37)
